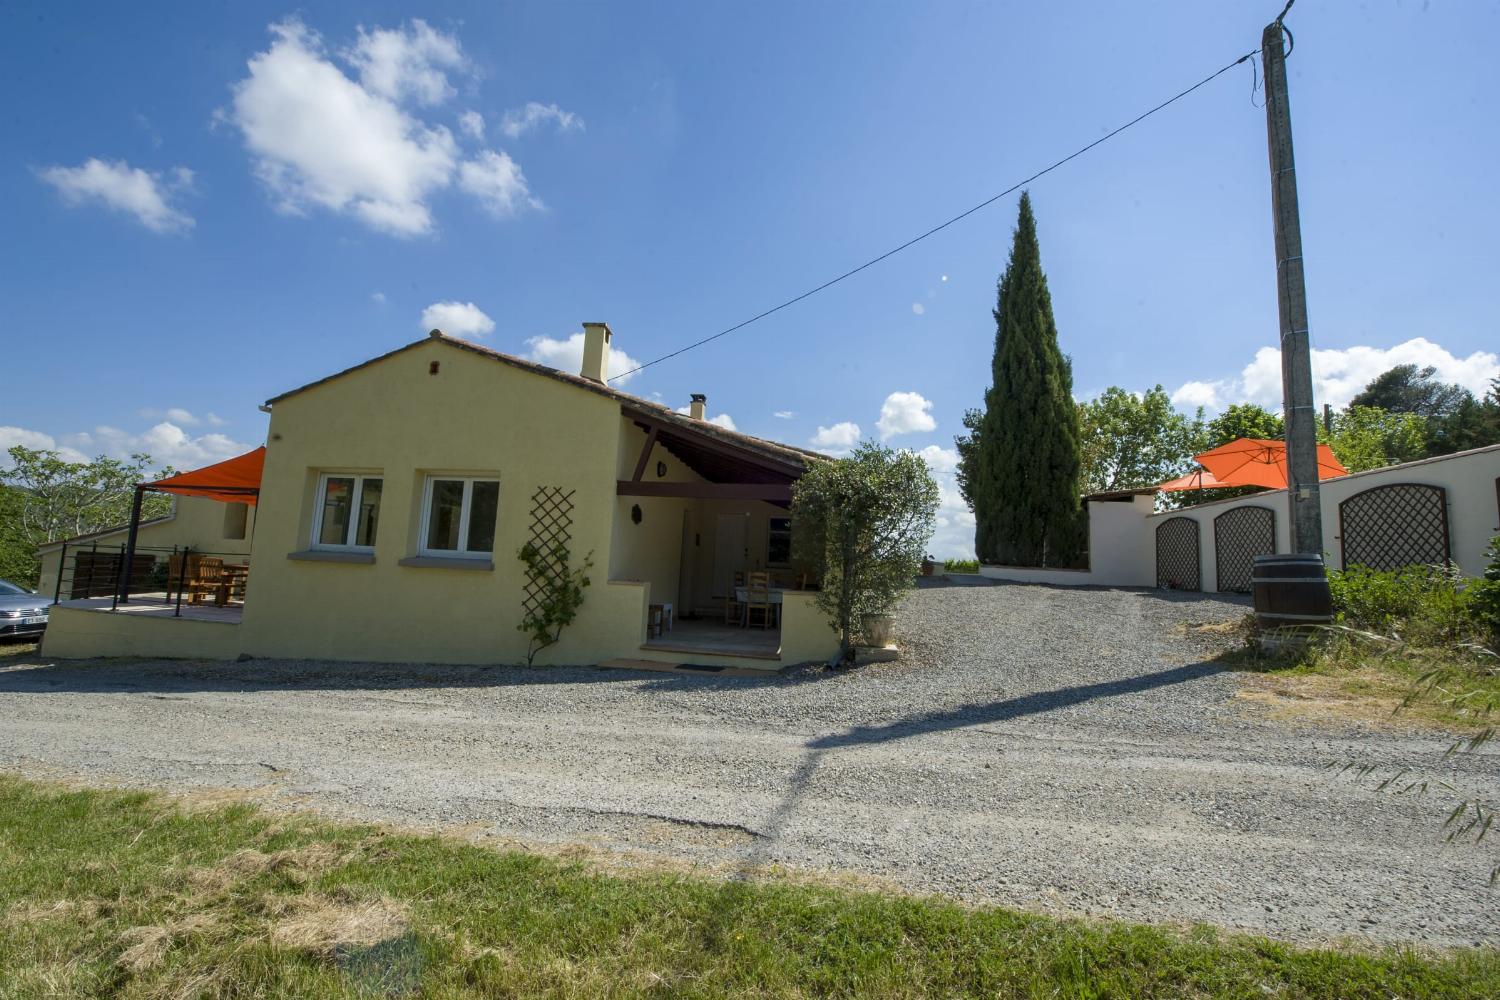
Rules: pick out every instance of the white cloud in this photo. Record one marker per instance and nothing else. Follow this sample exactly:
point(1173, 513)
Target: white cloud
point(918, 308)
point(36, 441)
point(1192, 395)
point(178, 415)
point(496, 180)
point(472, 123)
point(784, 414)
point(724, 420)
point(165, 442)
point(954, 534)
point(905, 413)
point(458, 319)
point(124, 188)
point(321, 139)
point(566, 355)
point(518, 121)
point(1339, 375)
point(407, 63)
point(838, 439)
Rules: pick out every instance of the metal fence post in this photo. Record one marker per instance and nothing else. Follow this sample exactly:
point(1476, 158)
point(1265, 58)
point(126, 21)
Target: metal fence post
point(62, 564)
point(122, 582)
point(182, 578)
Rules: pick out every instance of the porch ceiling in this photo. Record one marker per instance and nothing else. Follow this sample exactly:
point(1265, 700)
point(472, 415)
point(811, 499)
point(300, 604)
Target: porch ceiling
point(736, 471)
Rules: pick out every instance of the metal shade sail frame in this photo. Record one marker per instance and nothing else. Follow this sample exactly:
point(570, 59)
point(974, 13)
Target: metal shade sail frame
point(235, 480)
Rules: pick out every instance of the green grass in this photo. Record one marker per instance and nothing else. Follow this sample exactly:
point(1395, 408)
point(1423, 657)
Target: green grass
point(1452, 688)
point(106, 893)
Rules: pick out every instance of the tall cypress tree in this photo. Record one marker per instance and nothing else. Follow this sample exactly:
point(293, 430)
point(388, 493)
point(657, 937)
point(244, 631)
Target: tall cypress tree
point(1019, 467)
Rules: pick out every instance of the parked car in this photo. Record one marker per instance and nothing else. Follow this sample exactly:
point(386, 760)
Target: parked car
point(22, 612)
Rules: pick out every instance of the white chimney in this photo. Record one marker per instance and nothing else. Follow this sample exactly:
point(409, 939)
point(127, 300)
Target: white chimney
point(595, 351)
point(698, 406)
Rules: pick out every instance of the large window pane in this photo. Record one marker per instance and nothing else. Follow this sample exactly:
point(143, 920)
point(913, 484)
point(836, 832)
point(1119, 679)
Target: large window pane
point(369, 512)
point(445, 515)
point(483, 506)
point(333, 523)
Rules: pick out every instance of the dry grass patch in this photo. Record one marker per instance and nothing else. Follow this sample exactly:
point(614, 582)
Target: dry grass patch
point(320, 923)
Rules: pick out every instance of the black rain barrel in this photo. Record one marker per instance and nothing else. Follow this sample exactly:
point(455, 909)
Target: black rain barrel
point(1291, 592)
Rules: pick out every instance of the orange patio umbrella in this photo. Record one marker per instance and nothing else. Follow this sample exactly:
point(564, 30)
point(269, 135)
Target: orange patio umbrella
point(1258, 462)
point(1200, 479)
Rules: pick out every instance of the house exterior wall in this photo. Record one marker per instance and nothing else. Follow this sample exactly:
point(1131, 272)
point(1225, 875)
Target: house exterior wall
point(395, 418)
point(1122, 537)
point(400, 419)
point(1120, 550)
point(81, 633)
point(196, 521)
point(1468, 479)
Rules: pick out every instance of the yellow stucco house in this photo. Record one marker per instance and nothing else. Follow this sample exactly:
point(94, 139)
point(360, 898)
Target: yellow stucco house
point(397, 494)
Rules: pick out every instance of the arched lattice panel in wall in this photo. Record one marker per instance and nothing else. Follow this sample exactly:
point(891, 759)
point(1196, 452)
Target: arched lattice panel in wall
point(1388, 527)
point(1177, 562)
point(1241, 534)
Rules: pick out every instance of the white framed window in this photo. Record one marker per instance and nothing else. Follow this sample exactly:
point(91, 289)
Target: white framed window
point(347, 512)
point(458, 516)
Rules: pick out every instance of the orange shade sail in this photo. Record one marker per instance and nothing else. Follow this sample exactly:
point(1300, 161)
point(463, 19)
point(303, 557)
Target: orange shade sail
point(1200, 479)
point(235, 480)
point(1258, 462)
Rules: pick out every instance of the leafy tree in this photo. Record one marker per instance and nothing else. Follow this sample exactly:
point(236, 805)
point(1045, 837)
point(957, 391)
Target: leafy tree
point(1020, 468)
point(50, 498)
point(1454, 419)
point(1365, 437)
point(1129, 440)
point(1409, 389)
point(865, 520)
point(1243, 420)
point(558, 590)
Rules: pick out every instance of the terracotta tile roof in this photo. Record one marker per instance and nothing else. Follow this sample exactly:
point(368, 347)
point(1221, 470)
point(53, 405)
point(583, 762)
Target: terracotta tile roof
point(774, 449)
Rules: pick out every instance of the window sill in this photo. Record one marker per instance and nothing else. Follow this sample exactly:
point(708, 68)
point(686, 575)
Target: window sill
point(447, 562)
point(326, 555)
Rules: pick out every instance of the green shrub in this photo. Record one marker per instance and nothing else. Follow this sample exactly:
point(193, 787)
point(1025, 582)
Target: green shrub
point(1484, 595)
point(961, 566)
point(1424, 605)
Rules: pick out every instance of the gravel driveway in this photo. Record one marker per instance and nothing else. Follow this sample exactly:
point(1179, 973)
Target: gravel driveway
point(1059, 750)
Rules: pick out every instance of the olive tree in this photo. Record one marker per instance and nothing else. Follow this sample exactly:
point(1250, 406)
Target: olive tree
point(865, 521)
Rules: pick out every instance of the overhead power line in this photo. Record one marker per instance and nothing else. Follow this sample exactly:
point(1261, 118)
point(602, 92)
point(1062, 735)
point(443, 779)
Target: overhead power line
point(940, 227)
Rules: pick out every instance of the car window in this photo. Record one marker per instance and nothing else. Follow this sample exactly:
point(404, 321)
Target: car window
point(10, 589)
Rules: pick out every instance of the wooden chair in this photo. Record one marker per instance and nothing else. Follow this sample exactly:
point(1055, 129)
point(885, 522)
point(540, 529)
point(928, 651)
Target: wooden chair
point(734, 608)
point(207, 579)
point(758, 598)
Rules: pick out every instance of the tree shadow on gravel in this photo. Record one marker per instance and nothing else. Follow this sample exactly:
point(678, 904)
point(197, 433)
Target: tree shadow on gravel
point(1014, 708)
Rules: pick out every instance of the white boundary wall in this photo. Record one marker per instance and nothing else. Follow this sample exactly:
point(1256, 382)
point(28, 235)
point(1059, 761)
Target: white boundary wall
point(1122, 534)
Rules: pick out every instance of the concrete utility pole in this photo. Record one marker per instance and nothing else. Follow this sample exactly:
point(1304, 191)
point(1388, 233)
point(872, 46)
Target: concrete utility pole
point(1296, 362)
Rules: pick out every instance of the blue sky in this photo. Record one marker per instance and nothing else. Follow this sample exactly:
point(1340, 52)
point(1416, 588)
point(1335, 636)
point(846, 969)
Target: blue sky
point(205, 205)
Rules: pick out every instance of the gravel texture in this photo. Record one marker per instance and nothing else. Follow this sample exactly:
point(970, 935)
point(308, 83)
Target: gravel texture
point(1072, 751)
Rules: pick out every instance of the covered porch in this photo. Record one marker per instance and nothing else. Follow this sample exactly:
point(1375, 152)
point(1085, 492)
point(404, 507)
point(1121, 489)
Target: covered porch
point(703, 521)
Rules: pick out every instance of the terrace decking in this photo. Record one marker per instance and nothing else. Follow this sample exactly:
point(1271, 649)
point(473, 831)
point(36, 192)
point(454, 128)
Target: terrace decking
point(717, 639)
point(159, 606)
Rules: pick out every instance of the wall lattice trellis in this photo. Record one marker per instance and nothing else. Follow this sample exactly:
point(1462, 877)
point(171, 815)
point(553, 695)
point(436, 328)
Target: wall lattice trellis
point(1241, 534)
point(1177, 564)
point(1388, 527)
point(551, 527)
